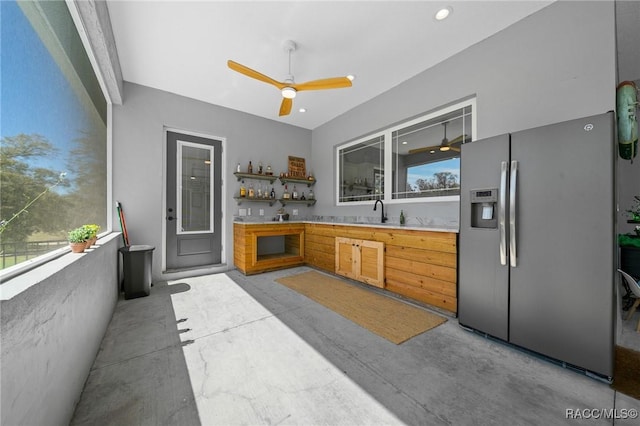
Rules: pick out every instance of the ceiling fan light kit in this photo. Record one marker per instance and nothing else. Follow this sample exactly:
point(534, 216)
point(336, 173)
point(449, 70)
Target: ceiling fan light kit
point(445, 145)
point(288, 92)
point(289, 88)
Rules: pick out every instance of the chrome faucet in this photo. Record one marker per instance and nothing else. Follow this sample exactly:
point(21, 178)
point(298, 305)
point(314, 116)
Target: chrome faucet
point(383, 218)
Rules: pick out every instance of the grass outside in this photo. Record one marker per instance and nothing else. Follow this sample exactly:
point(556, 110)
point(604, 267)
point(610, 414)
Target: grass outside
point(8, 259)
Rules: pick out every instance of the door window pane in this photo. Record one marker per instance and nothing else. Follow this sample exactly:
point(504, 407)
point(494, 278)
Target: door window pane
point(361, 171)
point(195, 170)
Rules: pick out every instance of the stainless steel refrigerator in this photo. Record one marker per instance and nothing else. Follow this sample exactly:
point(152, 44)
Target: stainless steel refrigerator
point(537, 240)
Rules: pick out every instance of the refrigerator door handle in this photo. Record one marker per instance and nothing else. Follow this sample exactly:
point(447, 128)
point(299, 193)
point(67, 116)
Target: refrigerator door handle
point(502, 212)
point(512, 213)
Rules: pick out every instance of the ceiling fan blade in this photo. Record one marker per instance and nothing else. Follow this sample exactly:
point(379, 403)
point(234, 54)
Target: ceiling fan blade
point(325, 83)
point(459, 139)
point(254, 74)
point(431, 148)
point(285, 106)
point(424, 148)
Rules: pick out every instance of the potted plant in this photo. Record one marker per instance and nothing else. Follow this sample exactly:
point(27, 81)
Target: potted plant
point(92, 230)
point(634, 211)
point(78, 239)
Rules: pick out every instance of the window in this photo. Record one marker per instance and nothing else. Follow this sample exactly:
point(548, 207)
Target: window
point(422, 161)
point(361, 168)
point(53, 133)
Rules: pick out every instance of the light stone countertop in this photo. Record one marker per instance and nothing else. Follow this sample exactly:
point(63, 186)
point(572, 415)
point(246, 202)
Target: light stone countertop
point(367, 224)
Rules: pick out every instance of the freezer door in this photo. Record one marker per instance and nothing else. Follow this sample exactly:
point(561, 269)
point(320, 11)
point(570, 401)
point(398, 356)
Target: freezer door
point(483, 293)
point(561, 289)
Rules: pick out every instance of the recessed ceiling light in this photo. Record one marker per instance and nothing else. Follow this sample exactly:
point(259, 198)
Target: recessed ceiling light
point(443, 13)
point(302, 110)
point(404, 142)
point(351, 77)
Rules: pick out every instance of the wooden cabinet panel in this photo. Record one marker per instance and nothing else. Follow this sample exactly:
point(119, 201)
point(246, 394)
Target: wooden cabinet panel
point(372, 262)
point(345, 257)
point(360, 260)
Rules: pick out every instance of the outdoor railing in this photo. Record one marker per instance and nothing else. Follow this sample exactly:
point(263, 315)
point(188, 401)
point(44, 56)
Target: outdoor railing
point(14, 253)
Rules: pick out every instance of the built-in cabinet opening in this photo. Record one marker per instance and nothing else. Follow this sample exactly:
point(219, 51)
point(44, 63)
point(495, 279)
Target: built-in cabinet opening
point(277, 246)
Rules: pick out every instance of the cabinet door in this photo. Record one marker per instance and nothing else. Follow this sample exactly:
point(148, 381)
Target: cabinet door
point(371, 262)
point(345, 259)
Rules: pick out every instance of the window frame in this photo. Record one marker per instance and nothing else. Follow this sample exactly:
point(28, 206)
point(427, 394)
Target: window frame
point(362, 140)
point(30, 264)
point(387, 135)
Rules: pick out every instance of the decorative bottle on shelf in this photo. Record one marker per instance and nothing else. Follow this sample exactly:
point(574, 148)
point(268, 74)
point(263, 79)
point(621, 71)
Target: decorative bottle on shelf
point(251, 191)
point(302, 197)
point(243, 190)
point(269, 172)
point(238, 168)
point(311, 195)
point(295, 192)
point(250, 168)
point(260, 168)
point(285, 194)
point(401, 217)
point(260, 191)
point(273, 193)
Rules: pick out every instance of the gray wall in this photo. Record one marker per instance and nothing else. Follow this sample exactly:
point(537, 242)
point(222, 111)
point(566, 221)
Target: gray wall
point(555, 65)
point(139, 164)
point(51, 333)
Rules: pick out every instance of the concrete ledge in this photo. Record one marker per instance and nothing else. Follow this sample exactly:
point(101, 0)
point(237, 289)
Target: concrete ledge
point(53, 319)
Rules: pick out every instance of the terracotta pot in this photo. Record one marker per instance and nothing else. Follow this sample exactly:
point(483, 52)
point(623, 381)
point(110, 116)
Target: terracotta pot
point(91, 241)
point(78, 247)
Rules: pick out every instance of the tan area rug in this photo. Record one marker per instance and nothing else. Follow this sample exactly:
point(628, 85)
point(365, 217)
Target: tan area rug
point(626, 375)
point(389, 318)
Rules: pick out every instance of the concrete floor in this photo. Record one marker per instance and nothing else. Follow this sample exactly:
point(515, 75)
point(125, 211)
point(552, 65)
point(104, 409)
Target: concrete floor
point(229, 349)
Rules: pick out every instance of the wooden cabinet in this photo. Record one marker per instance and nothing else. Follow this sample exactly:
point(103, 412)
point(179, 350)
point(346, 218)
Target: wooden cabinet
point(266, 247)
point(361, 260)
point(420, 265)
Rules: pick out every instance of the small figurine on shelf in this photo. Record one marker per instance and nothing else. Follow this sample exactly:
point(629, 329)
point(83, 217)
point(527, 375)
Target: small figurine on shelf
point(250, 168)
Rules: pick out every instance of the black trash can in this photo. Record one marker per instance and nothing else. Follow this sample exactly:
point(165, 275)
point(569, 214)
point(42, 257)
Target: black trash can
point(136, 268)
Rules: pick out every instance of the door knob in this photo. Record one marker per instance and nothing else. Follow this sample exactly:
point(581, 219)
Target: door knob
point(169, 217)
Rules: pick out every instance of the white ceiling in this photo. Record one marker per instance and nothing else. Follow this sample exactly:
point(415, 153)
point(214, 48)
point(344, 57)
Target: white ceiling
point(183, 47)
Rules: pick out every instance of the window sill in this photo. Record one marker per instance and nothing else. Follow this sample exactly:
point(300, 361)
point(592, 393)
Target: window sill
point(21, 277)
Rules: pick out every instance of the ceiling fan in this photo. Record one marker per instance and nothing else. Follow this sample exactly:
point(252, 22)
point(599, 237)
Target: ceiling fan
point(445, 145)
point(289, 87)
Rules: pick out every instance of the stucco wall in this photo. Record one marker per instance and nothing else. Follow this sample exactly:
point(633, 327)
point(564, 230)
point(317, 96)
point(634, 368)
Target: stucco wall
point(555, 65)
point(53, 320)
point(139, 157)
